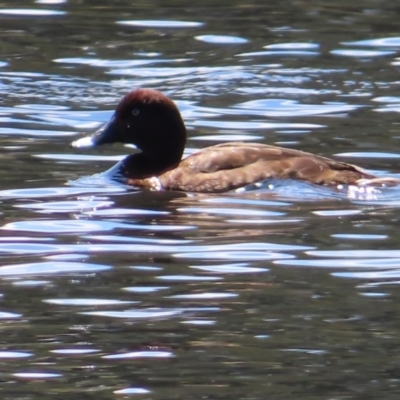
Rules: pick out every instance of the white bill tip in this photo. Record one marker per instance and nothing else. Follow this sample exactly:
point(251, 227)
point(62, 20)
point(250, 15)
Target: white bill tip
point(84, 142)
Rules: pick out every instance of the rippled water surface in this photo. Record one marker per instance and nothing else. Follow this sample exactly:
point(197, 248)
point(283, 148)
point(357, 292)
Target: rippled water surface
point(281, 290)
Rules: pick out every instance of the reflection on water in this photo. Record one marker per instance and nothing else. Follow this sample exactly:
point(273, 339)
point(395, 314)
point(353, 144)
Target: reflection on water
point(278, 290)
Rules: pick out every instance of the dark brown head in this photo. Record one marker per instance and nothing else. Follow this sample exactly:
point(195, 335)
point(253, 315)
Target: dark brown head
point(149, 120)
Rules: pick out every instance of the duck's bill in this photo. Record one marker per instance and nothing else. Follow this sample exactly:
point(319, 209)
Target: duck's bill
point(83, 143)
point(106, 134)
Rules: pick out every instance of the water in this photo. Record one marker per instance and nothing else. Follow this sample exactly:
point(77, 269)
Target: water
point(283, 290)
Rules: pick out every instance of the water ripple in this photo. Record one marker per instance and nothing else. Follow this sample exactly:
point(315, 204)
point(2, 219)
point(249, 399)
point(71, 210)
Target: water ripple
point(14, 354)
point(361, 53)
point(51, 267)
point(81, 225)
point(31, 12)
point(370, 275)
point(203, 296)
point(233, 255)
point(36, 375)
point(292, 108)
point(221, 39)
point(335, 263)
point(139, 354)
point(236, 268)
point(73, 352)
point(9, 315)
point(87, 302)
point(155, 313)
point(145, 289)
point(47, 192)
point(98, 62)
point(378, 42)
point(240, 212)
point(132, 390)
point(368, 254)
point(188, 278)
point(293, 46)
point(161, 23)
point(278, 53)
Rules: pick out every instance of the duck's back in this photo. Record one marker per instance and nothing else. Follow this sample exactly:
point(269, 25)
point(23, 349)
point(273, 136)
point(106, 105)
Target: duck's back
point(232, 165)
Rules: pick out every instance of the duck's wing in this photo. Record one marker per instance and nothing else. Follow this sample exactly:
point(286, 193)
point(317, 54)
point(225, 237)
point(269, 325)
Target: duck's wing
point(239, 154)
point(232, 165)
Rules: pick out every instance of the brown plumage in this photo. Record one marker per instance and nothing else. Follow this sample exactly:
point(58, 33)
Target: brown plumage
point(152, 122)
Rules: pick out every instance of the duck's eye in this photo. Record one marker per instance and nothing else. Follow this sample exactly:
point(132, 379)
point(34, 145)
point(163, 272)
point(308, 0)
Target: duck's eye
point(135, 112)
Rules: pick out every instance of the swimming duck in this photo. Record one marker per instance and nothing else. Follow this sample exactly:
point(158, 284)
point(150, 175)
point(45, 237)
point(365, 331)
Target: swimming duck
point(152, 122)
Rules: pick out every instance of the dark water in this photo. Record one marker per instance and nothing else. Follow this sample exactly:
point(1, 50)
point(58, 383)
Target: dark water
point(284, 291)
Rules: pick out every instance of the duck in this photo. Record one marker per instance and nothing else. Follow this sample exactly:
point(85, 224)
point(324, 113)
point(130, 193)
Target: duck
point(151, 121)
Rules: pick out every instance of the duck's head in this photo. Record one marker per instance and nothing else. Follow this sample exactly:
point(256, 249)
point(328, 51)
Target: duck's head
point(147, 119)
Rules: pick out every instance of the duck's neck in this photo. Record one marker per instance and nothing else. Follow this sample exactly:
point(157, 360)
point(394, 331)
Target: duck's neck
point(142, 165)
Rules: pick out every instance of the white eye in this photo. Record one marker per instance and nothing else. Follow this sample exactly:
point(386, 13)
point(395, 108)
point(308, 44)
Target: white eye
point(135, 112)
